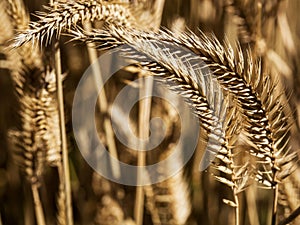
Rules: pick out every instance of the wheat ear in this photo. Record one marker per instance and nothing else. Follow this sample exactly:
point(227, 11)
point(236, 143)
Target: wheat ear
point(172, 69)
point(67, 14)
point(267, 125)
point(31, 139)
point(109, 208)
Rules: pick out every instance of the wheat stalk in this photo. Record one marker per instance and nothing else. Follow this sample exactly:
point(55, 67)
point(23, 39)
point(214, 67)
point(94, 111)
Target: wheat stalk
point(290, 218)
point(65, 173)
point(144, 116)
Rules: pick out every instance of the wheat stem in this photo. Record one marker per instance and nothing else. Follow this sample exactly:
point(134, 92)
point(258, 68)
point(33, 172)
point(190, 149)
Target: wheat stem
point(66, 172)
point(274, 206)
point(103, 104)
point(61, 197)
point(237, 209)
point(291, 217)
point(39, 214)
point(251, 205)
point(64, 147)
point(146, 86)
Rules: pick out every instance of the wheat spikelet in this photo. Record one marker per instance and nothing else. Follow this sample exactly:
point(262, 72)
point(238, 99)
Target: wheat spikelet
point(68, 14)
point(238, 174)
point(19, 19)
point(50, 124)
point(39, 125)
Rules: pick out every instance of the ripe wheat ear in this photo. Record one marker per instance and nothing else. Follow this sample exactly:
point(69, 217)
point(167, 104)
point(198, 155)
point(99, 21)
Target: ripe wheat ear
point(36, 141)
point(175, 67)
point(265, 122)
point(70, 13)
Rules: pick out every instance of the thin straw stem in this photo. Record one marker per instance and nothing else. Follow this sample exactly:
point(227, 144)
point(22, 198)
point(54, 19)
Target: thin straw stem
point(146, 86)
point(103, 104)
point(64, 147)
point(274, 207)
point(237, 209)
point(39, 214)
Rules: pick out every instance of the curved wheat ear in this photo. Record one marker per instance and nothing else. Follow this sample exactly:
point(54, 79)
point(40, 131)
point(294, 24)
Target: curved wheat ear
point(70, 13)
point(266, 123)
point(184, 74)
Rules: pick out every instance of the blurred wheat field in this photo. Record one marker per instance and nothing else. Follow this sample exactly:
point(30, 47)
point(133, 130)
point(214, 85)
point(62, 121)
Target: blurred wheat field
point(247, 108)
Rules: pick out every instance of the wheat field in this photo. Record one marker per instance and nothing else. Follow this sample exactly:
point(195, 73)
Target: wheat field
point(230, 109)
